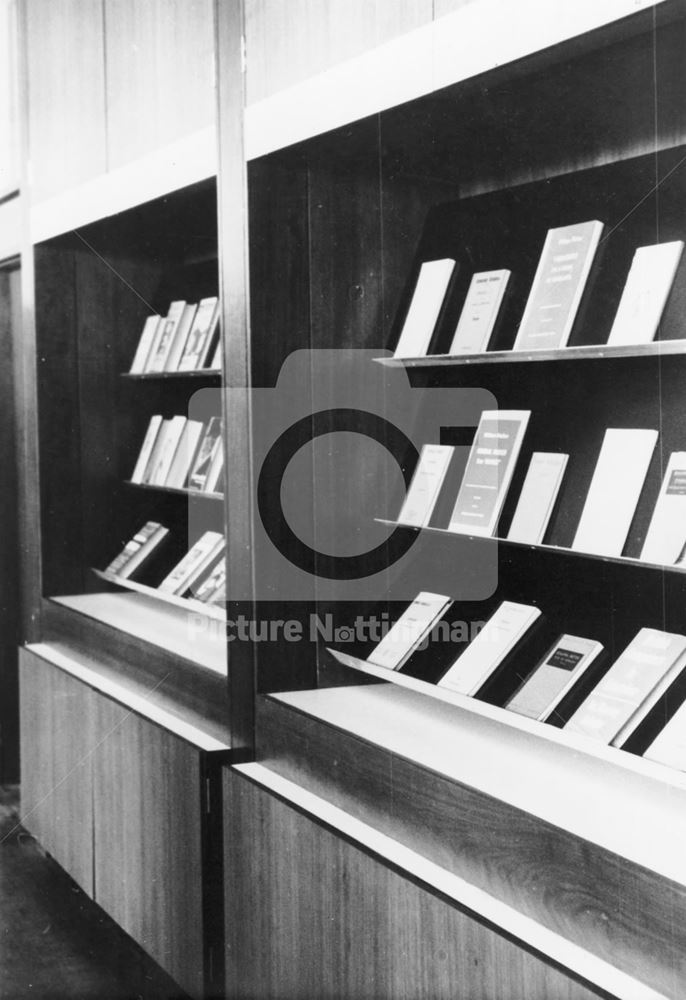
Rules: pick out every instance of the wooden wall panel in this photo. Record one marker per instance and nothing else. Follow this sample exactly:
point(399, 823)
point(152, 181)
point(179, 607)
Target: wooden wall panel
point(288, 42)
point(320, 918)
point(9, 553)
point(160, 73)
point(9, 98)
point(57, 742)
point(66, 93)
point(148, 839)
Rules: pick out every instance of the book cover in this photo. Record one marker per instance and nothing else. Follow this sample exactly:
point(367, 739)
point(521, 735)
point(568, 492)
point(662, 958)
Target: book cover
point(484, 654)
point(216, 362)
point(666, 535)
point(669, 746)
point(163, 344)
point(489, 470)
point(216, 468)
point(554, 677)
point(201, 336)
point(185, 454)
point(164, 455)
point(558, 286)
point(137, 550)
point(409, 631)
point(155, 453)
point(631, 687)
point(480, 312)
point(426, 484)
point(425, 308)
point(147, 339)
point(645, 294)
point(616, 485)
point(537, 499)
point(146, 448)
point(180, 337)
point(215, 580)
point(196, 559)
point(206, 452)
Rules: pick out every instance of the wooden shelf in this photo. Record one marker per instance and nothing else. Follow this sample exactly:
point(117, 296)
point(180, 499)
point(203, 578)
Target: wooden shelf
point(210, 373)
point(187, 604)
point(558, 550)
point(658, 348)
point(541, 730)
point(174, 491)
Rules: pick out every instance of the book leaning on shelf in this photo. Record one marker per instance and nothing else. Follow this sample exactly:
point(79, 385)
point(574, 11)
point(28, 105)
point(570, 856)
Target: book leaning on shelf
point(631, 688)
point(203, 336)
point(207, 457)
point(189, 571)
point(137, 550)
point(409, 631)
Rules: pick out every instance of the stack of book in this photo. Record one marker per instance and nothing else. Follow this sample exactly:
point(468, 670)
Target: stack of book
point(185, 340)
point(181, 454)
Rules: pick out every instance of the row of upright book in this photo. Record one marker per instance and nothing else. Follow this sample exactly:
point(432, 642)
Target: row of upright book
point(617, 701)
point(185, 340)
point(199, 575)
point(179, 453)
point(563, 270)
point(613, 495)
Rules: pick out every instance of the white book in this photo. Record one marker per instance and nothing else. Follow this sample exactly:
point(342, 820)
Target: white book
point(203, 567)
point(185, 453)
point(669, 746)
point(201, 336)
point(486, 652)
point(199, 556)
point(489, 470)
point(145, 344)
point(616, 485)
point(426, 484)
point(645, 293)
point(151, 464)
point(425, 307)
point(163, 343)
point(180, 337)
point(137, 549)
point(165, 454)
point(479, 312)
point(146, 448)
point(631, 687)
point(538, 496)
point(666, 536)
point(554, 677)
point(558, 286)
point(216, 469)
point(409, 631)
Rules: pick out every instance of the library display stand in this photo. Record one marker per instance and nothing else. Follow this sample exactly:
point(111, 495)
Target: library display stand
point(571, 848)
point(125, 720)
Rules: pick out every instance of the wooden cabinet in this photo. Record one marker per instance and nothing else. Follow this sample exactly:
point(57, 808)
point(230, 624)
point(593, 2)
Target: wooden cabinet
point(64, 43)
point(323, 918)
point(148, 839)
point(160, 74)
point(57, 742)
point(130, 808)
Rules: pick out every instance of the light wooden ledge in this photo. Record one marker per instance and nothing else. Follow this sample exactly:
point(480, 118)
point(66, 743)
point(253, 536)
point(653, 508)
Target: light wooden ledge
point(474, 39)
point(594, 792)
point(498, 915)
point(127, 696)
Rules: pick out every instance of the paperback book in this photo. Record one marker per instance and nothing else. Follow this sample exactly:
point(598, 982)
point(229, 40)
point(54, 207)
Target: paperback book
point(480, 312)
point(426, 484)
point(425, 308)
point(554, 677)
point(137, 550)
point(409, 631)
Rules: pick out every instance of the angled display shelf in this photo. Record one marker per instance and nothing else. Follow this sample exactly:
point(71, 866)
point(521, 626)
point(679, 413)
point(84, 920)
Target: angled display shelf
point(339, 226)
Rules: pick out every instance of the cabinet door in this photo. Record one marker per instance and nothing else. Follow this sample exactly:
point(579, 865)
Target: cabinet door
point(147, 813)
point(160, 73)
point(66, 73)
point(310, 915)
point(57, 742)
